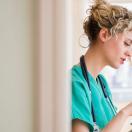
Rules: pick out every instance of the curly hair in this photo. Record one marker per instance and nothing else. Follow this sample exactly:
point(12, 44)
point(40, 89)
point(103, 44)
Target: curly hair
point(116, 19)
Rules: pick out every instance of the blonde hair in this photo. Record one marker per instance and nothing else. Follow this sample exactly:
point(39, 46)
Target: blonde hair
point(116, 19)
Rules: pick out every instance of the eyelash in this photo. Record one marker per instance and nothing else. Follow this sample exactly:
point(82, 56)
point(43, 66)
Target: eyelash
point(126, 44)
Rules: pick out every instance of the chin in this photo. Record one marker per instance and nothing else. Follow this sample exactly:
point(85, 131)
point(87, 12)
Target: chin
point(115, 66)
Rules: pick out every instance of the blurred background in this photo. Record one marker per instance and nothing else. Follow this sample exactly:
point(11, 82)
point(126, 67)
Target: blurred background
point(40, 42)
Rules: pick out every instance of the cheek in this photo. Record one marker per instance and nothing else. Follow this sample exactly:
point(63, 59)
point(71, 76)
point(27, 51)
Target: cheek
point(115, 52)
point(130, 53)
point(117, 48)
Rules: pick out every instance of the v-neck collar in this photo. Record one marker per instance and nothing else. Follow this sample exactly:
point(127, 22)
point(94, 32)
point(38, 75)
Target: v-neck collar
point(91, 78)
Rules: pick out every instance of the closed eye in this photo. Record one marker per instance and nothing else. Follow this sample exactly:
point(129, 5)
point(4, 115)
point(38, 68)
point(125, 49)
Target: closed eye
point(126, 44)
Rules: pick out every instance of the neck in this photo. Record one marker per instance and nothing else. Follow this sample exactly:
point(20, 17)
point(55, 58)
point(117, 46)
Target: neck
point(94, 60)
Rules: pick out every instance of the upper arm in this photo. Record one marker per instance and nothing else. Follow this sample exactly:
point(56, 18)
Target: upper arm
point(79, 126)
point(81, 107)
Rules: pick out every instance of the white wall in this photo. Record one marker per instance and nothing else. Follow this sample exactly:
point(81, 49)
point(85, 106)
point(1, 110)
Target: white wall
point(16, 66)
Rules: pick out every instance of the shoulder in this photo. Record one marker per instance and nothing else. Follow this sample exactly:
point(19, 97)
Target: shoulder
point(78, 83)
point(76, 73)
point(77, 78)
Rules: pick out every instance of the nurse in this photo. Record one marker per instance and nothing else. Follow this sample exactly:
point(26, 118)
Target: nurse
point(109, 29)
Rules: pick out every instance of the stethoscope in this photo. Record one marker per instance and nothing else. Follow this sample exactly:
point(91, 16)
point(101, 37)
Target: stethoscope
point(85, 74)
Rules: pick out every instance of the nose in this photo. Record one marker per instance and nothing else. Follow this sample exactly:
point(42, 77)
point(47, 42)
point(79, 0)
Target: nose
point(128, 53)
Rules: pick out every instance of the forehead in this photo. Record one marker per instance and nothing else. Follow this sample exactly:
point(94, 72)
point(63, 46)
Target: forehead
point(128, 36)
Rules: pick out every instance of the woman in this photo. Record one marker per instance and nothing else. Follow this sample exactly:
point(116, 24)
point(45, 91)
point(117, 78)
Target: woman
point(109, 29)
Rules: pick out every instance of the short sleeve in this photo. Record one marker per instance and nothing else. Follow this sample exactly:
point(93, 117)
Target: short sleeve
point(81, 104)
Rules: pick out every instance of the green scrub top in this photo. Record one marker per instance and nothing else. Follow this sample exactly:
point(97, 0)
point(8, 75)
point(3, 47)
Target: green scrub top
point(81, 99)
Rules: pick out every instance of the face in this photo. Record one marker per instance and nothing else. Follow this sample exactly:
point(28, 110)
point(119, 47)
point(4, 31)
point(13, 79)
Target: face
point(118, 49)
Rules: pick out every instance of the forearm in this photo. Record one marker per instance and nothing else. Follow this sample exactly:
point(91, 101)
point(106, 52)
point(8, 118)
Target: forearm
point(115, 125)
point(79, 126)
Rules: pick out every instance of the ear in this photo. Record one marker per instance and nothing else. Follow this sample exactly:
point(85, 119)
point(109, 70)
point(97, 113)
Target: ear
point(104, 35)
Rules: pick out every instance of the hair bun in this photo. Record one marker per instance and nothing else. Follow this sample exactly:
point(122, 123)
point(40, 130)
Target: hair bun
point(116, 19)
point(100, 2)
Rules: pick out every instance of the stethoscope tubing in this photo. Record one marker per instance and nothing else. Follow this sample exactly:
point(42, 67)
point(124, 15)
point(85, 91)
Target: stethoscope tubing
point(84, 71)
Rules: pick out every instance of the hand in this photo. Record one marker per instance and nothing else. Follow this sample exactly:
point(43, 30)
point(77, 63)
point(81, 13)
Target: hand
point(127, 110)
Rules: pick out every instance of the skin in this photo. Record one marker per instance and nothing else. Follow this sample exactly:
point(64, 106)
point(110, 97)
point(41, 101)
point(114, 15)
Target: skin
point(113, 52)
